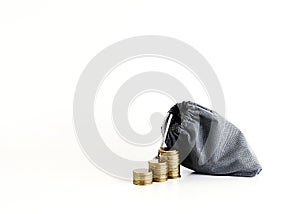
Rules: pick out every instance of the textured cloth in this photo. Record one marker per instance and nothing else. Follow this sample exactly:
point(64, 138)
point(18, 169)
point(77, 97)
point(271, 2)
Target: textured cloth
point(208, 143)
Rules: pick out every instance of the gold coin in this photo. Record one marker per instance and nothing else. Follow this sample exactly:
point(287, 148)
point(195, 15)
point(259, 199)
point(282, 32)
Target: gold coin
point(174, 177)
point(142, 178)
point(145, 181)
point(142, 183)
point(164, 158)
point(156, 162)
point(173, 164)
point(160, 172)
point(160, 180)
point(174, 170)
point(161, 177)
point(173, 173)
point(142, 172)
point(168, 152)
point(143, 175)
point(158, 167)
point(173, 157)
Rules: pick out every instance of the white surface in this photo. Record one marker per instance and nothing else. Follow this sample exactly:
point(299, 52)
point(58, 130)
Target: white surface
point(254, 48)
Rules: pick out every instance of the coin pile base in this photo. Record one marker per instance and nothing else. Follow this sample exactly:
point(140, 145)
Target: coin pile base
point(167, 166)
point(159, 169)
point(172, 158)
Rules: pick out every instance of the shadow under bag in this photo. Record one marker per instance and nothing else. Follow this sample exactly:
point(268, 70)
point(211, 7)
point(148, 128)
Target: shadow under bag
point(207, 142)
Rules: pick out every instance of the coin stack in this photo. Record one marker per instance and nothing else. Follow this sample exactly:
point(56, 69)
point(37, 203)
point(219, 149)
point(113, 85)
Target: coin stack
point(142, 177)
point(172, 158)
point(159, 169)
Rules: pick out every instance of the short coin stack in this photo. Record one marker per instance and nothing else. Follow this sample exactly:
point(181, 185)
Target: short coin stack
point(159, 169)
point(172, 158)
point(142, 177)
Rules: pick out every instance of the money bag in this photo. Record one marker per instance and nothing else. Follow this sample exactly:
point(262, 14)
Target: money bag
point(207, 142)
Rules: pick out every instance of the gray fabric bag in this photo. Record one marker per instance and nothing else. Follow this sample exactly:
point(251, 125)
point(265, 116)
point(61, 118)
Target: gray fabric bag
point(207, 142)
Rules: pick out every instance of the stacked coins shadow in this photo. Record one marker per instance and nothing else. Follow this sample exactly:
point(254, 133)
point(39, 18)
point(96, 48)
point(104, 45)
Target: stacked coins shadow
point(142, 177)
point(159, 169)
point(172, 158)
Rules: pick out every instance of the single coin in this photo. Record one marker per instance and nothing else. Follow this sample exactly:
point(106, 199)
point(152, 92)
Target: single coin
point(157, 162)
point(140, 183)
point(142, 172)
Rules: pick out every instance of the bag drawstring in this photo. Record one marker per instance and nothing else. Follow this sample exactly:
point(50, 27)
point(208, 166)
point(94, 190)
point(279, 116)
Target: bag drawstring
point(169, 116)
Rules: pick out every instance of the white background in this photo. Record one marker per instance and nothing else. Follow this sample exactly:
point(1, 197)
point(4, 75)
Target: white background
point(254, 48)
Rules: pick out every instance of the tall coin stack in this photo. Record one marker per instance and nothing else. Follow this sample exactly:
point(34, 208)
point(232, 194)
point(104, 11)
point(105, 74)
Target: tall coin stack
point(142, 177)
point(159, 169)
point(172, 158)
